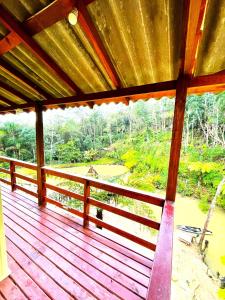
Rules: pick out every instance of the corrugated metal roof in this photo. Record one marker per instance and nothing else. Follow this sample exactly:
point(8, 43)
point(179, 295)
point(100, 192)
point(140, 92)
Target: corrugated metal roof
point(211, 55)
point(142, 39)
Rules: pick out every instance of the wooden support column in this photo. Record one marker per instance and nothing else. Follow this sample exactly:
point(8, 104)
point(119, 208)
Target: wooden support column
point(40, 153)
point(178, 123)
point(4, 270)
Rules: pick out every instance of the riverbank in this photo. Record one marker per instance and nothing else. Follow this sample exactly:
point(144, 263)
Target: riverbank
point(187, 212)
point(191, 277)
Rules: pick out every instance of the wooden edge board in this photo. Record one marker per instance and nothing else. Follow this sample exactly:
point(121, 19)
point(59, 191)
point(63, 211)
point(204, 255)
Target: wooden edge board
point(160, 281)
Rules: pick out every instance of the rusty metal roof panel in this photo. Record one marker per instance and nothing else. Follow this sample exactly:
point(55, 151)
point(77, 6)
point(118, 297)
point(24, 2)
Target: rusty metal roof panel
point(211, 54)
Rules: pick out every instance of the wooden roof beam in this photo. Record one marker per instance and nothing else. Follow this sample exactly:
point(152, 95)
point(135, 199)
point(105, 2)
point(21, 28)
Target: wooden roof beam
point(197, 85)
point(55, 12)
point(194, 12)
point(88, 27)
point(13, 25)
point(10, 41)
point(23, 79)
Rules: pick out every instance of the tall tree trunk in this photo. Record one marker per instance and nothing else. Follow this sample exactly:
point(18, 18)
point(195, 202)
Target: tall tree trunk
point(210, 212)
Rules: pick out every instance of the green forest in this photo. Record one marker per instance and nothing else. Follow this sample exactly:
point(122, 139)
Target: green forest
point(137, 136)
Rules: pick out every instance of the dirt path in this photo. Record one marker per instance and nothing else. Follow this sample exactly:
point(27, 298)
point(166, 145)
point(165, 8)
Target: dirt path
point(190, 280)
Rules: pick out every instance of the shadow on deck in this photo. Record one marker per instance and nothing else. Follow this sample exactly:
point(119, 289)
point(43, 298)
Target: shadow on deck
point(51, 256)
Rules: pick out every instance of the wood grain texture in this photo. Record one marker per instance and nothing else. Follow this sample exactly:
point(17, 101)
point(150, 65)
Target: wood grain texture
point(178, 122)
point(12, 24)
point(48, 252)
point(160, 282)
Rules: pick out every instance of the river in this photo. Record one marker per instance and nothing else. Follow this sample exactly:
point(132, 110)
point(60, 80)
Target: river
point(187, 212)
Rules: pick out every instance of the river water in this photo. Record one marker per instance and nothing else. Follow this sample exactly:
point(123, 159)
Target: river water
point(187, 212)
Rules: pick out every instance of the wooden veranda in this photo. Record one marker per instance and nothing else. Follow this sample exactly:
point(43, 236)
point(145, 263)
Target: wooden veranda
point(115, 51)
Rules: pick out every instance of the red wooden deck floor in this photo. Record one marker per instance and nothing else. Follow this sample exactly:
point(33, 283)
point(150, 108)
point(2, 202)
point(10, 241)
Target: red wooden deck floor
point(52, 257)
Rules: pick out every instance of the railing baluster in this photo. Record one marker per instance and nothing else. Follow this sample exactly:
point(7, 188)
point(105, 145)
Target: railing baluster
point(86, 202)
point(12, 175)
point(43, 179)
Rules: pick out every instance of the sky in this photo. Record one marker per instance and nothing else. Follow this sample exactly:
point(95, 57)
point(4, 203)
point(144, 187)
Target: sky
point(51, 114)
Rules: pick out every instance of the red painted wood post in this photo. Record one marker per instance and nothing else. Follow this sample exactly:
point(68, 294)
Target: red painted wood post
point(12, 175)
point(40, 154)
point(86, 203)
point(178, 123)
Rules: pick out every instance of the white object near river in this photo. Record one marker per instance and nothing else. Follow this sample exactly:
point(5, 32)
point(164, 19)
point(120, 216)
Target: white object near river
point(4, 270)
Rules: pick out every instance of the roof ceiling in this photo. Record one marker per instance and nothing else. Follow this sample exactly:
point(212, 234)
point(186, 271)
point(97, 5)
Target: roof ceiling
point(142, 40)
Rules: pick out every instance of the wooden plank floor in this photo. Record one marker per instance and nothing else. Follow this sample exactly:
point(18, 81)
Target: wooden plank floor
point(53, 257)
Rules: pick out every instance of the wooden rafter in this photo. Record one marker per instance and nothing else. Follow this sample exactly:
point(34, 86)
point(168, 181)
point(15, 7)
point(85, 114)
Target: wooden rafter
point(55, 12)
point(21, 78)
point(13, 25)
point(194, 12)
point(10, 41)
point(94, 38)
point(15, 92)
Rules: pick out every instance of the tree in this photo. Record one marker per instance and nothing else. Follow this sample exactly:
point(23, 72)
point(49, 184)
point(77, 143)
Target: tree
point(210, 212)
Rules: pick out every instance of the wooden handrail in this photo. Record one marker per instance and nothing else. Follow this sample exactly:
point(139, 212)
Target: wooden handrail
point(13, 174)
point(19, 162)
point(160, 283)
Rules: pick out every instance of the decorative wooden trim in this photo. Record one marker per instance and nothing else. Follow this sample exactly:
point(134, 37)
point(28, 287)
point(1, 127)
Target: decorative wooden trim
point(125, 214)
point(160, 282)
point(166, 88)
point(88, 27)
point(123, 233)
point(197, 85)
point(13, 25)
point(178, 121)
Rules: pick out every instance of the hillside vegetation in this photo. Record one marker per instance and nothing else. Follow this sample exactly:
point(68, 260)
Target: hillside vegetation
point(137, 136)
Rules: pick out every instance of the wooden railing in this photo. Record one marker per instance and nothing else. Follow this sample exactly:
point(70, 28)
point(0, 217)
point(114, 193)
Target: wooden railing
point(87, 200)
point(13, 163)
point(159, 287)
point(85, 197)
